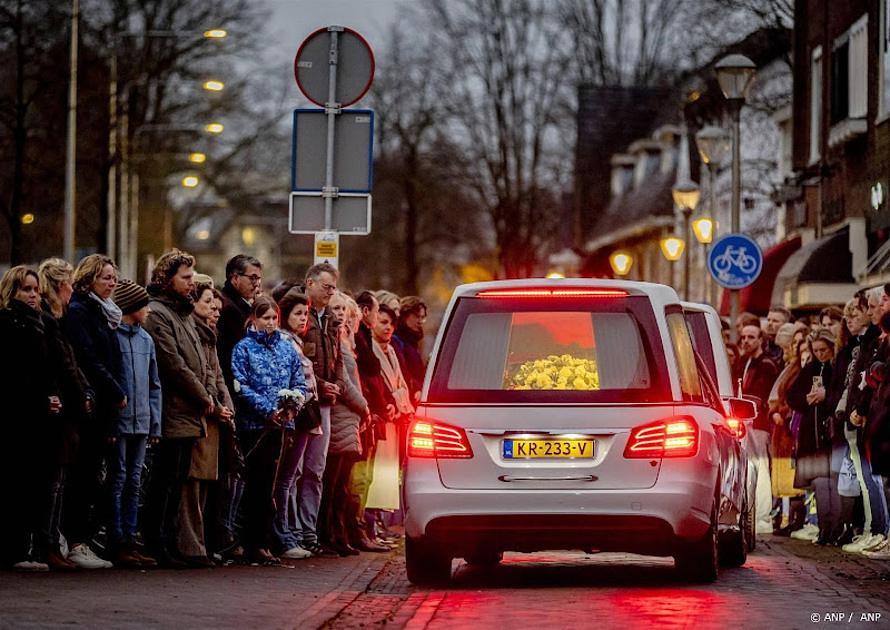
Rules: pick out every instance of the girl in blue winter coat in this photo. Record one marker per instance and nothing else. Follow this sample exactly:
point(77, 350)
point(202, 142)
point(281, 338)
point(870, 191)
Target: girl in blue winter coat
point(138, 422)
point(263, 364)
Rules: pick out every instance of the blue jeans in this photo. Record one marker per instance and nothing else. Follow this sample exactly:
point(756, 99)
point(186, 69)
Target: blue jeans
point(125, 464)
point(314, 460)
point(285, 528)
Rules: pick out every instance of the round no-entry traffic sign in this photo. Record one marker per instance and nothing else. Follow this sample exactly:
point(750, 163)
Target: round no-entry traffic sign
point(735, 261)
point(355, 66)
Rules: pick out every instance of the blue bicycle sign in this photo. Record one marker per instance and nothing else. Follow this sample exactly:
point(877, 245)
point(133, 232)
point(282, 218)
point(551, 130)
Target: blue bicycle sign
point(735, 261)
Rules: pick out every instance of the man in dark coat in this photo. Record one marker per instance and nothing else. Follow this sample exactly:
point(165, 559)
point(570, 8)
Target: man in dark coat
point(408, 342)
point(755, 373)
point(244, 280)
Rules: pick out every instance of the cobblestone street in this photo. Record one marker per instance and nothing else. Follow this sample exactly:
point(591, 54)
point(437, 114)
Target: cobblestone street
point(783, 585)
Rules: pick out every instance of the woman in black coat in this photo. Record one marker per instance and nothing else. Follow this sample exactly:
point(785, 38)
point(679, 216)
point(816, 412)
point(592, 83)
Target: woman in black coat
point(29, 388)
point(90, 325)
point(814, 440)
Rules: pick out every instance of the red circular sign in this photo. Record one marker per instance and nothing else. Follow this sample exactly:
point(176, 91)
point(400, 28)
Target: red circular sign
point(355, 66)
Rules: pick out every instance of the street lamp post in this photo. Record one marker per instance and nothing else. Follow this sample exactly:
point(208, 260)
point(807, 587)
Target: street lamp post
point(686, 195)
point(117, 150)
point(672, 249)
point(735, 74)
point(713, 148)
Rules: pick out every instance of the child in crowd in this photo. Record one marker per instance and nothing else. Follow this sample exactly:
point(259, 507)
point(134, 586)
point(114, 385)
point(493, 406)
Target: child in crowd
point(138, 422)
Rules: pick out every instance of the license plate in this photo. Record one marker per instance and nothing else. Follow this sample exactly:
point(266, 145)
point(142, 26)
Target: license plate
point(548, 449)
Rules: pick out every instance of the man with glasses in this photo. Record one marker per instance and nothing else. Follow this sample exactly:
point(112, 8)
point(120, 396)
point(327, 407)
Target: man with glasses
point(321, 344)
point(244, 281)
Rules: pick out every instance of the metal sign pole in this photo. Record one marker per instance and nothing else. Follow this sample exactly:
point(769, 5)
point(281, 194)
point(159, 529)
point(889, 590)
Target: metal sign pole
point(332, 109)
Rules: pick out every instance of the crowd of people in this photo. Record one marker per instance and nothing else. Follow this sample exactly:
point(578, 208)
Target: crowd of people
point(184, 424)
point(821, 440)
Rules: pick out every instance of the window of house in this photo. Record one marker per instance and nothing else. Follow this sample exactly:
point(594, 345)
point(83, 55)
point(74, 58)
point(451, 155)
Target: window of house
point(816, 104)
point(840, 94)
point(849, 73)
point(884, 60)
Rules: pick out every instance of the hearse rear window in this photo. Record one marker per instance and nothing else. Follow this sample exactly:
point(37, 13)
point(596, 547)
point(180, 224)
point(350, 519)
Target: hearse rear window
point(575, 350)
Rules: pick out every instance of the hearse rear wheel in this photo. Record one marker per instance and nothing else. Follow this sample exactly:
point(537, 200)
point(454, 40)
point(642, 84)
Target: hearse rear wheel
point(426, 565)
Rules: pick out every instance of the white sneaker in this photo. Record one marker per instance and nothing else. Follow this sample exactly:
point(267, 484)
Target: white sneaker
point(881, 552)
point(296, 553)
point(807, 532)
point(764, 528)
point(30, 566)
point(83, 556)
point(862, 542)
point(877, 540)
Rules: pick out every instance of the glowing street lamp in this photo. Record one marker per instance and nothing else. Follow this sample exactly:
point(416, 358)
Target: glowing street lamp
point(704, 230)
point(196, 157)
point(190, 181)
point(686, 195)
point(214, 127)
point(27, 218)
point(213, 85)
point(672, 248)
point(215, 33)
point(621, 262)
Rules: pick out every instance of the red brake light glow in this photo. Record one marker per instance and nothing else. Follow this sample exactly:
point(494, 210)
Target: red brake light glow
point(551, 293)
point(428, 438)
point(737, 427)
point(675, 437)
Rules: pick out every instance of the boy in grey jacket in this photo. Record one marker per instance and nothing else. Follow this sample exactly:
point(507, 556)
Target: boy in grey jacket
point(138, 422)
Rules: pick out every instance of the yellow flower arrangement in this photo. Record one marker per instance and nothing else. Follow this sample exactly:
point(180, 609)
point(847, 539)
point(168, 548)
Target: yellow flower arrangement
point(556, 372)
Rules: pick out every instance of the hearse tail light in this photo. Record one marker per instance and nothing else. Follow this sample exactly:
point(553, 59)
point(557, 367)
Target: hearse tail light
point(428, 438)
point(737, 427)
point(566, 292)
point(674, 437)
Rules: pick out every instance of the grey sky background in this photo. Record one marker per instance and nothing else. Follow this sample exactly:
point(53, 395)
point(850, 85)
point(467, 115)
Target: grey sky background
point(293, 20)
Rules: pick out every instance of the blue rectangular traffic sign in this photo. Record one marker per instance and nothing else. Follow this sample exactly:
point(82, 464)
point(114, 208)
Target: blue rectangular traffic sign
point(353, 150)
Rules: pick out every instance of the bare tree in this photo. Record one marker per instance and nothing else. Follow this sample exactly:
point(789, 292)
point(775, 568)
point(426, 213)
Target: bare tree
point(500, 76)
point(617, 42)
point(28, 33)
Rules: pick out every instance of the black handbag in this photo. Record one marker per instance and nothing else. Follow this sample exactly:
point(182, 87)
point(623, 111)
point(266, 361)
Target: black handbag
point(309, 417)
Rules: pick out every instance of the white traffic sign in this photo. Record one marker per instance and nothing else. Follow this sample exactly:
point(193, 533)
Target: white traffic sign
point(327, 248)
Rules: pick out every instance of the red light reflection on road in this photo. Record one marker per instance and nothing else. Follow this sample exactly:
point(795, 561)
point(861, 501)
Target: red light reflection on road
point(674, 608)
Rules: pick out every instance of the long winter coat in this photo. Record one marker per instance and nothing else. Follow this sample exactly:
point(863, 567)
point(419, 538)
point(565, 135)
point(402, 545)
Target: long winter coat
point(139, 376)
point(347, 412)
point(98, 355)
point(182, 364)
point(205, 452)
point(813, 443)
point(263, 364)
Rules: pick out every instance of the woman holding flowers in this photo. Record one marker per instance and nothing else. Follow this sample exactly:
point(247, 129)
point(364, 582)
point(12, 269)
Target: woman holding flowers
point(269, 381)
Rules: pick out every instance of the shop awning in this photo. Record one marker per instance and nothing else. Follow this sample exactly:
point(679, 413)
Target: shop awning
point(818, 274)
point(757, 298)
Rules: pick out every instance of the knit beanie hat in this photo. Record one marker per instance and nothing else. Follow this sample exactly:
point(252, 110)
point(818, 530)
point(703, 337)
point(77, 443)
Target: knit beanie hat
point(129, 296)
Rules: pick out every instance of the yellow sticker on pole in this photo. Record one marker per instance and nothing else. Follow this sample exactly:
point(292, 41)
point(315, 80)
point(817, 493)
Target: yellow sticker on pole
point(327, 247)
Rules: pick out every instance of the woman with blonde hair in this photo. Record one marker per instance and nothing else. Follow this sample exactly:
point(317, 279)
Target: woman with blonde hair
point(56, 288)
point(90, 325)
point(29, 387)
point(813, 442)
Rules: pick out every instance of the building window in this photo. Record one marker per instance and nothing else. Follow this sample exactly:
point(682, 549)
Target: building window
point(816, 104)
point(884, 61)
point(849, 73)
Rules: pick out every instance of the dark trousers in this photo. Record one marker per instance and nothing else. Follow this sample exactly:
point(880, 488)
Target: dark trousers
point(83, 489)
point(170, 469)
point(261, 450)
point(336, 499)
